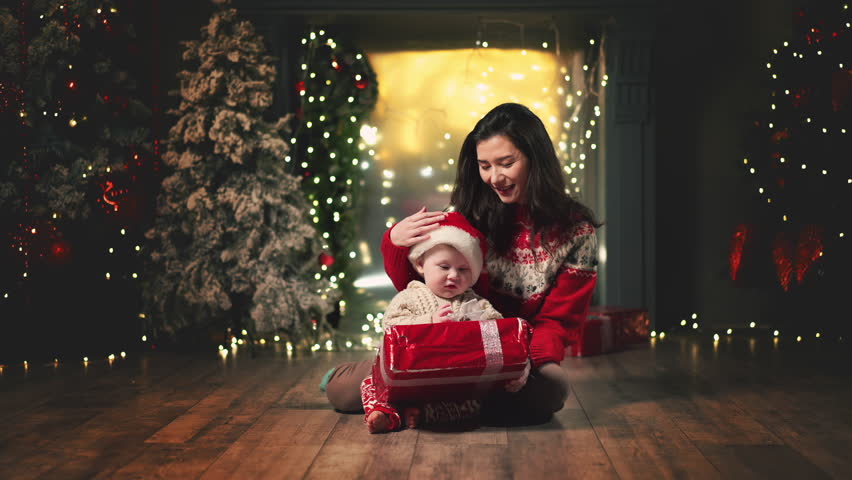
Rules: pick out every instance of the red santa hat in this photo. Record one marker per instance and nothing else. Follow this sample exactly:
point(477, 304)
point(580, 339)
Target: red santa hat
point(458, 233)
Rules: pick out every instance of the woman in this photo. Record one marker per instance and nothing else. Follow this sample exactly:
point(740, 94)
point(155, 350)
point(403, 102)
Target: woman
point(542, 255)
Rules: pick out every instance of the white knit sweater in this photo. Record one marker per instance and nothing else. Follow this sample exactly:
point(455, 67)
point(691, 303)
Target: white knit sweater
point(416, 304)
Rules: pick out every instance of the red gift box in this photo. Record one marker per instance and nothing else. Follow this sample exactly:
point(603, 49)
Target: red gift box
point(609, 328)
point(450, 360)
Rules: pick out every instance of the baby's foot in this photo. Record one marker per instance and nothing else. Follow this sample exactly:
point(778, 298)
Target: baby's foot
point(378, 422)
point(411, 416)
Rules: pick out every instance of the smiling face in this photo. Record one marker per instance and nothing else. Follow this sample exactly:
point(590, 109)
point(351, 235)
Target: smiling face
point(504, 168)
point(445, 271)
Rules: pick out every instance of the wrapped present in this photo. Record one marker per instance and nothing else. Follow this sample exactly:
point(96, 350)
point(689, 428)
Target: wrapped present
point(450, 360)
point(609, 328)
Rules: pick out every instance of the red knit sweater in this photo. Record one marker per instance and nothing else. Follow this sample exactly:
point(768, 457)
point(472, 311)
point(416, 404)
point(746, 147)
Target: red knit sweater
point(551, 291)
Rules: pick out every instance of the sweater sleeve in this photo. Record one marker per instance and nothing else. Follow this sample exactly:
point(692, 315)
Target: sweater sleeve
point(567, 302)
point(397, 266)
point(401, 311)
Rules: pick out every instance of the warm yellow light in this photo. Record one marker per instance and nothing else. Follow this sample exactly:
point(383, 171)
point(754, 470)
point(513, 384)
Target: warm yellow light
point(425, 95)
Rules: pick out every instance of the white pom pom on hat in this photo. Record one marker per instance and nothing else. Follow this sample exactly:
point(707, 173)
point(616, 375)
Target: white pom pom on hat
point(458, 233)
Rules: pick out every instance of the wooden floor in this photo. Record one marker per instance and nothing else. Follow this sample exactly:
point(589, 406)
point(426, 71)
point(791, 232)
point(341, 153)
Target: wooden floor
point(678, 408)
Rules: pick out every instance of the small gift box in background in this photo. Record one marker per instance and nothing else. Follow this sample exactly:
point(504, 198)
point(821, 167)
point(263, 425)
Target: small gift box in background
point(609, 328)
point(450, 360)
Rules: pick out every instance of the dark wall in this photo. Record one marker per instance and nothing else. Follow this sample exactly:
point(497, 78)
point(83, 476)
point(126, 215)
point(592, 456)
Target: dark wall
point(708, 72)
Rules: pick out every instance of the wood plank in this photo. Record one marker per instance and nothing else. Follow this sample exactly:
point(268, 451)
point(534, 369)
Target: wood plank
point(567, 446)
point(352, 452)
point(762, 461)
point(685, 408)
point(190, 460)
point(453, 460)
point(306, 393)
point(105, 436)
point(637, 433)
point(282, 444)
point(166, 461)
point(239, 380)
point(805, 408)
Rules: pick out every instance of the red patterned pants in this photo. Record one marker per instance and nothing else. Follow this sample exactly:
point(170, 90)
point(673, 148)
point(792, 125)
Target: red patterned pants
point(372, 403)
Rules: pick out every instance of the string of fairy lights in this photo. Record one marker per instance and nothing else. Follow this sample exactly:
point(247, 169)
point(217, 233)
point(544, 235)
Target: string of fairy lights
point(577, 98)
point(820, 49)
point(692, 323)
point(34, 233)
point(577, 146)
point(802, 52)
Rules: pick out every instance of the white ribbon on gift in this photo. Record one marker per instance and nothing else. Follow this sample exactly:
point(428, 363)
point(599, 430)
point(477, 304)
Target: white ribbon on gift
point(493, 346)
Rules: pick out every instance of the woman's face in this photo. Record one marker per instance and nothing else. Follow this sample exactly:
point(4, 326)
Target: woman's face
point(504, 168)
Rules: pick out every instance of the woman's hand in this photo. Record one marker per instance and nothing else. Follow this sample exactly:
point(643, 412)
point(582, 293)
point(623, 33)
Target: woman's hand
point(442, 314)
point(415, 227)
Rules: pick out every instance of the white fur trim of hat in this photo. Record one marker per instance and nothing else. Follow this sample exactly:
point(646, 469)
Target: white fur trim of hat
point(453, 232)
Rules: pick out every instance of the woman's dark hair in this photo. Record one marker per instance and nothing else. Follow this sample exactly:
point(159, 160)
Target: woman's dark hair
point(550, 207)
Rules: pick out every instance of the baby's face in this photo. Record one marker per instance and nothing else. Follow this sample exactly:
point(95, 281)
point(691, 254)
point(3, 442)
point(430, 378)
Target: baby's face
point(445, 271)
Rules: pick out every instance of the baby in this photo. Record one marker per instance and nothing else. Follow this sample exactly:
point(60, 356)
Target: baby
point(450, 262)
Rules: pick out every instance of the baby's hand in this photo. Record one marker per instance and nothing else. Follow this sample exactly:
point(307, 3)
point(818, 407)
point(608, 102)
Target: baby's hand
point(515, 385)
point(443, 314)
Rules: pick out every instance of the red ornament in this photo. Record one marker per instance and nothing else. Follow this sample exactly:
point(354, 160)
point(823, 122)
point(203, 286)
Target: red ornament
point(300, 86)
point(738, 242)
point(815, 35)
point(335, 64)
point(782, 256)
point(60, 251)
point(777, 137)
point(112, 196)
point(801, 97)
point(326, 259)
point(808, 251)
point(361, 84)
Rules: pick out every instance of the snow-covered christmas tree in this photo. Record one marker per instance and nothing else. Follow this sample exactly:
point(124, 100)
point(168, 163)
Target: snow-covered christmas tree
point(233, 246)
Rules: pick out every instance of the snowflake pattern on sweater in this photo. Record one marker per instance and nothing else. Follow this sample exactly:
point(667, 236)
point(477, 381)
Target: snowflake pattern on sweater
point(528, 269)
